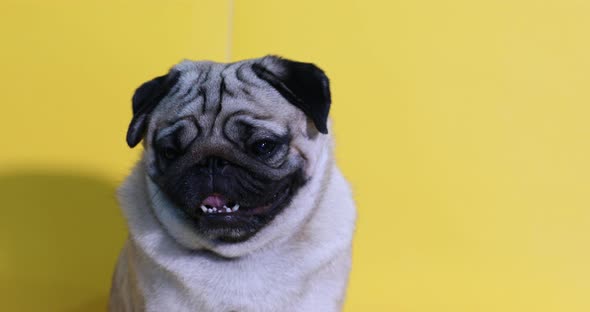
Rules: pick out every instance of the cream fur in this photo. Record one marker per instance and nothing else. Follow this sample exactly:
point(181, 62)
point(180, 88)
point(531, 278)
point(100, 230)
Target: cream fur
point(298, 262)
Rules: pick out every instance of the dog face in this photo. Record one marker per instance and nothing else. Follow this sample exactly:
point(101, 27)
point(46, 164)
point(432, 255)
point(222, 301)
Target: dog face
point(231, 144)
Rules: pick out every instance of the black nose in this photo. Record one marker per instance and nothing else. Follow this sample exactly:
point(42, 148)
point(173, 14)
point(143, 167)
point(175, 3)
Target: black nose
point(213, 163)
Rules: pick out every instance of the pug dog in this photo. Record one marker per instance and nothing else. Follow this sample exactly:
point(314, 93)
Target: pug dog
point(237, 203)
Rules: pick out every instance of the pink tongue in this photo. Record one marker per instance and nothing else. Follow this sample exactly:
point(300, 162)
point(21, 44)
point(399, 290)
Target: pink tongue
point(214, 201)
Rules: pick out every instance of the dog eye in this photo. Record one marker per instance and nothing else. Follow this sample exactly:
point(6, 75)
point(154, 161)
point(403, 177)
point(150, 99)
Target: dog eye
point(169, 153)
point(263, 147)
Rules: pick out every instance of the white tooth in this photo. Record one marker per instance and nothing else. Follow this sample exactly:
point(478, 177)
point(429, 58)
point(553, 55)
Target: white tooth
point(214, 209)
point(209, 210)
point(235, 208)
point(203, 208)
point(227, 209)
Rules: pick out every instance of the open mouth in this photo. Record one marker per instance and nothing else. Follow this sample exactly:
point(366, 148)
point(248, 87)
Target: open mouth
point(228, 212)
point(216, 204)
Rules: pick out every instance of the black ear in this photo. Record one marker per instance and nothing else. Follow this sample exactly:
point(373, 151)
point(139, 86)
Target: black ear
point(145, 99)
point(302, 84)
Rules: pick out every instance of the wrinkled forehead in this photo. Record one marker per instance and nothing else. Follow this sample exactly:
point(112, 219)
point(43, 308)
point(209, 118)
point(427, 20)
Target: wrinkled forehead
point(214, 95)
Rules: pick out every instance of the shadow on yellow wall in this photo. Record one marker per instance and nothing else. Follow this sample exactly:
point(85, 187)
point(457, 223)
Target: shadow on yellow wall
point(59, 235)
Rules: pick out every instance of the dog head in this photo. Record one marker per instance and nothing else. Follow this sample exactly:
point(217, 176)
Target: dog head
point(231, 145)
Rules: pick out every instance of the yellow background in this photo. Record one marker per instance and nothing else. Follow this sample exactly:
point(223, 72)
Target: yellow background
point(462, 126)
